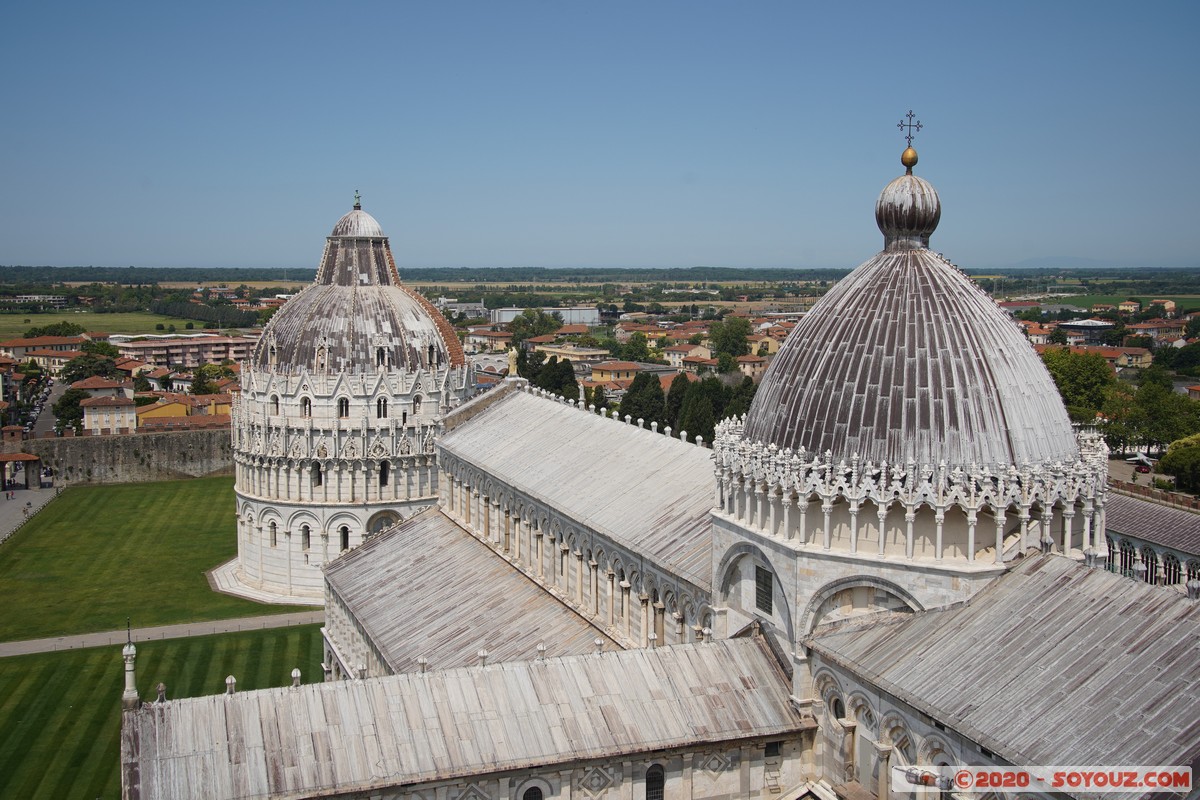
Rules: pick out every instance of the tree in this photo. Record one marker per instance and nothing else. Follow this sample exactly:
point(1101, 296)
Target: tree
point(558, 377)
point(55, 329)
point(644, 400)
point(1083, 380)
point(67, 410)
point(1156, 374)
point(1058, 336)
point(599, 399)
point(637, 348)
point(529, 365)
point(100, 349)
point(1161, 416)
point(87, 366)
point(1117, 414)
point(697, 416)
point(741, 398)
point(1183, 461)
point(675, 396)
point(205, 377)
point(533, 322)
point(730, 336)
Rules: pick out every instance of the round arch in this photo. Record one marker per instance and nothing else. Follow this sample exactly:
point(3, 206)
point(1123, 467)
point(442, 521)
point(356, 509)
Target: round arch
point(782, 605)
point(380, 521)
point(809, 619)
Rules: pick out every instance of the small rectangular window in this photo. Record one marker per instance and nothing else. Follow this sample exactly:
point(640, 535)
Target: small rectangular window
point(763, 589)
point(772, 749)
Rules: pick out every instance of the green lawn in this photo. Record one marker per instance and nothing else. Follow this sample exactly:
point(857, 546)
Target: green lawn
point(60, 713)
point(13, 324)
point(98, 554)
point(1182, 301)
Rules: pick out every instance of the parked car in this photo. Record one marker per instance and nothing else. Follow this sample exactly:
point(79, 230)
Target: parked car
point(1142, 468)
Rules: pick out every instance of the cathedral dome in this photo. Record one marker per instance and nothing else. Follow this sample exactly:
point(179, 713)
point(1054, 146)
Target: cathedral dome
point(907, 359)
point(357, 316)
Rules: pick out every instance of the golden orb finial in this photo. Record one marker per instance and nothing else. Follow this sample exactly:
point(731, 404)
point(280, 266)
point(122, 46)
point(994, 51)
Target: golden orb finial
point(909, 158)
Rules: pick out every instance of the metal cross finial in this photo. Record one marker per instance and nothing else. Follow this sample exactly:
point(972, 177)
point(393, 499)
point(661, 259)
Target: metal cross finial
point(908, 136)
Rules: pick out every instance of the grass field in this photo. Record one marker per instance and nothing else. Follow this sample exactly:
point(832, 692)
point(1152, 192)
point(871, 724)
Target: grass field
point(100, 553)
point(14, 325)
point(1183, 301)
point(60, 713)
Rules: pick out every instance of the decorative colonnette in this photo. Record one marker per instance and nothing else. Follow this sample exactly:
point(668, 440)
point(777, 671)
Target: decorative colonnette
point(589, 571)
point(1153, 564)
point(865, 734)
point(772, 491)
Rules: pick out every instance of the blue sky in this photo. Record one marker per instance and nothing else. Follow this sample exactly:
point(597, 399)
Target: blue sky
point(667, 134)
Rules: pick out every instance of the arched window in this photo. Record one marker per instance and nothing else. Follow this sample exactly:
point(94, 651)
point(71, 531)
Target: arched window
point(1128, 556)
point(272, 355)
point(838, 709)
point(380, 357)
point(381, 408)
point(1110, 561)
point(1193, 570)
point(532, 793)
point(316, 474)
point(416, 404)
point(274, 534)
point(1150, 559)
point(305, 537)
point(305, 407)
point(345, 534)
point(384, 469)
point(343, 407)
point(274, 405)
point(1171, 569)
point(403, 417)
point(431, 355)
point(656, 783)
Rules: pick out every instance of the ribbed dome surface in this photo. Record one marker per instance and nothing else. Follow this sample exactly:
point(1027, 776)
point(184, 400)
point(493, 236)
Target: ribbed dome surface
point(907, 212)
point(357, 223)
point(357, 316)
point(905, 359)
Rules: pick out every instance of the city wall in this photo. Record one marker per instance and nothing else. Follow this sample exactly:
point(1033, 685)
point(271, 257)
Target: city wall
point(135, 457)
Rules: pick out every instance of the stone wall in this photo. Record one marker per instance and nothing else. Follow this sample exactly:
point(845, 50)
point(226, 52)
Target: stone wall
point(1176, 499)
point(135, 457)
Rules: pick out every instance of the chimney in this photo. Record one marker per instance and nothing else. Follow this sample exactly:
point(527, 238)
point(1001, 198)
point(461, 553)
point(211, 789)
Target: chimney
point(599, 643)
point(162, 693)
point(541, 650)
point(296, 678)
point(230, 685)
point(483, 657)
point(423, 664)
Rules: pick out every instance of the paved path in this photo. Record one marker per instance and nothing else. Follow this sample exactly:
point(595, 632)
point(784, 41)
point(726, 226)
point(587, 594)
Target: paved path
point(25, 503)
point(161, 632)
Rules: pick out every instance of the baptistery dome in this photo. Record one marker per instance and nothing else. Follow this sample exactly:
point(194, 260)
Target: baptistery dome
point(907, 360)
point(357, 315)
point(341, 402)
